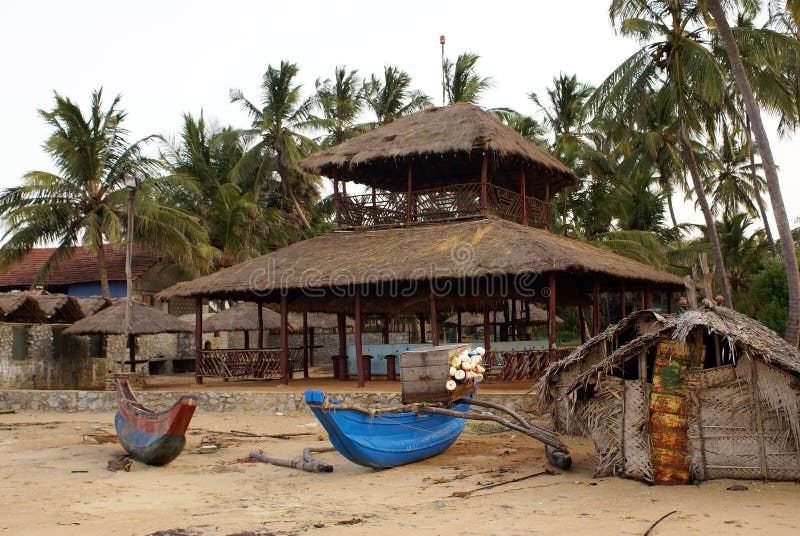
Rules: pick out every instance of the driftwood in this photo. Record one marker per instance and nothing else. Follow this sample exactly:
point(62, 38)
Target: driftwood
point(657, 521)
point(467, 493)
point(307, 463)
point(557, 453)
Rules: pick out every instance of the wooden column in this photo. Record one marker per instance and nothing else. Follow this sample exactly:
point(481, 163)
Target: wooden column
point(198, 339)
point(434, 320)
point(486, 326)
point(514, 335)
point(341, 327)
point(305, 344)
point(385, 329)
point(522, 192)
point(284, 337)
point(359, 353)
point(260, 309)
point(623, 305)
point(551, 312)
point(409, 194)
point(458, 326)
point(337, 210)
point(421, 318)
point(528, 327)
point(246, 339)
point(484, 181)
point(648, 298)
point(582, 323)
point(669, 303)
point(596, 307)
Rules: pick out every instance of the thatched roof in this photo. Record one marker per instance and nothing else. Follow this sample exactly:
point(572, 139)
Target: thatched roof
point(737, 331)
point(91, 304)
point(461, 250)
point(445, 146)
point(20, 307)
point(317, 321)
point(145, 320)
point(537, 315)
point(60, 308)
point(242, 317)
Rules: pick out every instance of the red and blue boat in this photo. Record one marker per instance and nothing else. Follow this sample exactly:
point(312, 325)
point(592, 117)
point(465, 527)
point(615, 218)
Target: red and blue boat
point(384, 438)
point(150, 436)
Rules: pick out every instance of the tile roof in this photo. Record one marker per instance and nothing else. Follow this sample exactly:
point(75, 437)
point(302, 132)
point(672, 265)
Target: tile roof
point(82, 267)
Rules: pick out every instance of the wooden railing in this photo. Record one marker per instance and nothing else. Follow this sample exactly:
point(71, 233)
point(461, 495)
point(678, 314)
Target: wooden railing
point(242, 363)
point(437, 204)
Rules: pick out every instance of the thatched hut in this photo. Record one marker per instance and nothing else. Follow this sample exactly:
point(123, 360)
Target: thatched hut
point(704, 394)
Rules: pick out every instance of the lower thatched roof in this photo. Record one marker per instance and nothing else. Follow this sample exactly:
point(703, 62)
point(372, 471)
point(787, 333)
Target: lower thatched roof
point(242, 317)
point(460, 250)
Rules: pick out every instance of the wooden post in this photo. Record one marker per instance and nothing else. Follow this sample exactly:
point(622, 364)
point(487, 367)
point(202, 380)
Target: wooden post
point(246, 339)
point(551, 312)
point(284, 336)
point(523, 193)
point(486, 326)
point(337, 210)
point(514, 336)
point(198, 339)
point(484, 180)
point(311, 346)
point(434, 320)
point(385, 329)
point(669, 302)
point(596, 307)
point(582, 322)
point(528, 327)
point(421, 318)
point(623, 302)
point(341, 321)
point(260, 309)
point(409, 195)
point(305, 344)
point(648, 298)
point(359, 353)
point(458, 326)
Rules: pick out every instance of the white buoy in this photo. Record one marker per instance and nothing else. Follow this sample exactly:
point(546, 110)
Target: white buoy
point(460, 375)
point(480, 350)
point(450, 385)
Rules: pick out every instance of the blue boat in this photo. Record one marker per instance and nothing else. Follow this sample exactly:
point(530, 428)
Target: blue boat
point(382, 439)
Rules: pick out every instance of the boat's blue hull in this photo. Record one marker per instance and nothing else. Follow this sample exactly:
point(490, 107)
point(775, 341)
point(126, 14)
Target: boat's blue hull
point(385, 439)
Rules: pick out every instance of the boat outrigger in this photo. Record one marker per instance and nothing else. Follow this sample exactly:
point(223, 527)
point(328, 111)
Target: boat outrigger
point(150, 436)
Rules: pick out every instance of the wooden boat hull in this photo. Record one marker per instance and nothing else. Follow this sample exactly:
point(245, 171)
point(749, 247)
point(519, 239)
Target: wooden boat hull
point(384, 440)
point(152, 437)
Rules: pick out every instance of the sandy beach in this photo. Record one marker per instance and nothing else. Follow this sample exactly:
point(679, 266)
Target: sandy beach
point(55, 480)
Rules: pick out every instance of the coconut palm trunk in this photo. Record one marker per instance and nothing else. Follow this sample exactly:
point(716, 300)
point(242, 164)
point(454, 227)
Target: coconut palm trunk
point(103, 268)
point(762, 210)
point(713, 238)
point(770, 170)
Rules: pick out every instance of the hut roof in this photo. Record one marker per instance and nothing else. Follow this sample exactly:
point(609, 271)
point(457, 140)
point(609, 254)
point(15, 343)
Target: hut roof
point(145, 320)
point(737, 331)
point(60, 308)
point(446, 146)
point(455, 250)
point(317, 321)
point(242, 317)
point(20, 307)
point(91, 304)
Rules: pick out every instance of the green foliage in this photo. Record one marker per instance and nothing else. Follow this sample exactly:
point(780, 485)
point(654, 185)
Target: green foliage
point(769, 296)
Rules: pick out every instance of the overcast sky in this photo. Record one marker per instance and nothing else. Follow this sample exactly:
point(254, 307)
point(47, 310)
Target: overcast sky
point(167, 57)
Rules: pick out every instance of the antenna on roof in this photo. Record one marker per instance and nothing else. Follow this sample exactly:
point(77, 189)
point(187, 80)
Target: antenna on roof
point(444, 83)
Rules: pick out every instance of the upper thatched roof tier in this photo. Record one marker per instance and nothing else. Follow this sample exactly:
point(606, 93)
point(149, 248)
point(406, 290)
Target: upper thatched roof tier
point(445, 146)
point(459, 250)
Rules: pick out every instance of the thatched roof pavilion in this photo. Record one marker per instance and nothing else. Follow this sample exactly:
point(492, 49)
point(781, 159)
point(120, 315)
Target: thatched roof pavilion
point(708, 393)
point(436, 233)
point(145, 320)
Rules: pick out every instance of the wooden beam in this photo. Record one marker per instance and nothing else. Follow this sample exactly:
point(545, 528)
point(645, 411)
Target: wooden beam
point(434, 320)
point(596, 307)
point(260, 309)
point(305, 344)
point(551, 311)
point(198, 339)
point(359, 352)
point(284, 337)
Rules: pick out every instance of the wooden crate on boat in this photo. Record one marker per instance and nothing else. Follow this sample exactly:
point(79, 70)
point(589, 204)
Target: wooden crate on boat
point(425, 371)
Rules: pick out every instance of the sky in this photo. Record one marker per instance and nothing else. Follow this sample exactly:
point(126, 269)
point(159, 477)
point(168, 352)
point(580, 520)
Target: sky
point(169, 57)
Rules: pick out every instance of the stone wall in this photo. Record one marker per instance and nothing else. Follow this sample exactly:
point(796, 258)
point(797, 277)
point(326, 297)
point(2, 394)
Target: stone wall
point(230, 402)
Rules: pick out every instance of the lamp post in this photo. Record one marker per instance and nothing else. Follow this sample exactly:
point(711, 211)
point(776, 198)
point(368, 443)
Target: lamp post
point(131, 183)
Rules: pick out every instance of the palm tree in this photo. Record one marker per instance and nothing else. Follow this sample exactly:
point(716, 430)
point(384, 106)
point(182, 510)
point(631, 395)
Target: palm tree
point(792, 334)
point(675, 66)
point(391, 96)
point(85, 201)
point(462, 82)
point(204, 164)
point(729, 179)
point(340, 101)
point(277, 125)
point(565, 111)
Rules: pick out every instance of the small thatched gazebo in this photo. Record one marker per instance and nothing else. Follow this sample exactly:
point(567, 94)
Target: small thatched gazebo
point(704, 394)
point(145, 320)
